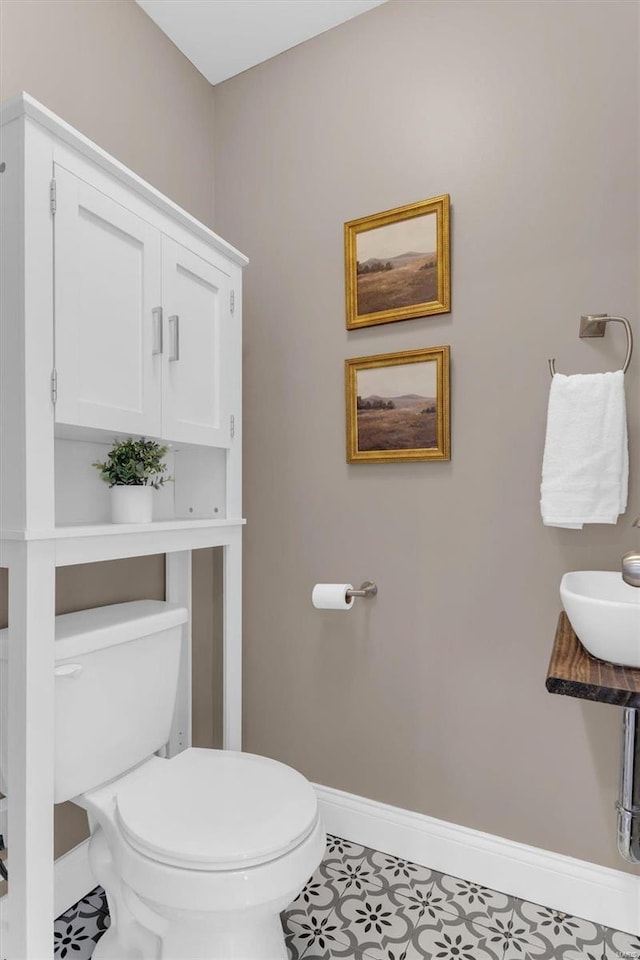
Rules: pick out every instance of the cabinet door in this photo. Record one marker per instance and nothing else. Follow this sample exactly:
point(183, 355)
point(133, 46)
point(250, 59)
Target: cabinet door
point(107, 286)
point(197, 317)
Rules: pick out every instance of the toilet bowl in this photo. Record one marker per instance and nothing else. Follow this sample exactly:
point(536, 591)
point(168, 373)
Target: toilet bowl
point(199, 853)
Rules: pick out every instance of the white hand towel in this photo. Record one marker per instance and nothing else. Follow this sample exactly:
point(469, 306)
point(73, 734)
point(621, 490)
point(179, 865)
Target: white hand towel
point(585, 469)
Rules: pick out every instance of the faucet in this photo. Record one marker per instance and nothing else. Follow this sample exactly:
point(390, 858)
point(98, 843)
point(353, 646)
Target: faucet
point(631, 563)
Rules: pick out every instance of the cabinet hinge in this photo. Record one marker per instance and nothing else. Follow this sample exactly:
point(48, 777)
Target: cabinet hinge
point(52, 196)
point(233, 426)
point(54, 386)
point(232, 301)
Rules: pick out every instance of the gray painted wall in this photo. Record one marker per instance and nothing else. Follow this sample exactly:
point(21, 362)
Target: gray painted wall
point(109, 71)
point(432, 697)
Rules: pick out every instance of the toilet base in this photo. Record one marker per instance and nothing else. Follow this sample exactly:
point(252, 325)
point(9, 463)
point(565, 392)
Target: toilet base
point(143, 930)
point(240, 938)
point(262, 941)
point(146, 929)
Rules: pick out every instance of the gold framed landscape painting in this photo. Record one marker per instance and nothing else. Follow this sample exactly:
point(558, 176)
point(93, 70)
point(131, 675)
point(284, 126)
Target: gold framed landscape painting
point(397, 264)
point(398, 406)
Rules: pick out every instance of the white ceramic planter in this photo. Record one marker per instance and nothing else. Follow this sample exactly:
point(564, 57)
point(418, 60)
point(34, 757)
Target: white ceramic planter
point(131, 504)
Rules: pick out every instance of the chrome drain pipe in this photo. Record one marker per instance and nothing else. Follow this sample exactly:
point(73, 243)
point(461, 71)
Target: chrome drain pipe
point(628, 805)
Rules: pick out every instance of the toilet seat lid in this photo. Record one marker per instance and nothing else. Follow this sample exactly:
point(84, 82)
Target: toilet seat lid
point(216, 810)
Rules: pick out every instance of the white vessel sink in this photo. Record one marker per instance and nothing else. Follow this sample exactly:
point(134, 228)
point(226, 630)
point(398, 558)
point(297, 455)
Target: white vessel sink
point(604, 611)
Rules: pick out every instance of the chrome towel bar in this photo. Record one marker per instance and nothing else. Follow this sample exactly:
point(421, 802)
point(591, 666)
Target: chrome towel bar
point(593, 325)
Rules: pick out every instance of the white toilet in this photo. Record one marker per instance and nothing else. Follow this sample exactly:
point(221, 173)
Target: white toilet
point(198, 854)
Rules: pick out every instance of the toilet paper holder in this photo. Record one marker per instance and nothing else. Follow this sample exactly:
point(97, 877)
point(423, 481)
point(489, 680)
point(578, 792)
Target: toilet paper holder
point(367, 589)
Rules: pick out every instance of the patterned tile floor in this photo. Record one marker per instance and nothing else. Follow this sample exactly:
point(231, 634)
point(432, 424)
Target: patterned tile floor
point(365, 905)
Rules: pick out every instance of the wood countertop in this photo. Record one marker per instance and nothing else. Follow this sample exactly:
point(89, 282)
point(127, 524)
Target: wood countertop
point(575, 673)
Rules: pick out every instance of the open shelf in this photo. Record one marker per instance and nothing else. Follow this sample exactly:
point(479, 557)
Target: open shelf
point(157, 526)
point(197, 490)
point(76, 530)
point(89, 543)
point(575, 673)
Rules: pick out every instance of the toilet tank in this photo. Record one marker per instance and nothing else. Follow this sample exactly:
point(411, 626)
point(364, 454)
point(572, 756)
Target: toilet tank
point(116, 678)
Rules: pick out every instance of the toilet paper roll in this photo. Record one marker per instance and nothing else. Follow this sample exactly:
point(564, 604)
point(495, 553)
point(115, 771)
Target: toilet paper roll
point(332, 596)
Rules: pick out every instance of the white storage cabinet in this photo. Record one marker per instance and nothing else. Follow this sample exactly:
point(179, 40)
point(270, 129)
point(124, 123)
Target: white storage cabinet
point(120, 314)
point(142, 321)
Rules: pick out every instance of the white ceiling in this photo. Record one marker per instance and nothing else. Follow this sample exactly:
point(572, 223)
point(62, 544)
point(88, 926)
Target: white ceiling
point(225, 37)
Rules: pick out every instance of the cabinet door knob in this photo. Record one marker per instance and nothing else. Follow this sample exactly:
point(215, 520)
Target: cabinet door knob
point(175, 346)
point(156, 313)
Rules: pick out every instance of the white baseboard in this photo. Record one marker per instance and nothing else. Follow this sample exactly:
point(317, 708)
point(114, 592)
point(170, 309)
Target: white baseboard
point(582, 889)
point(73, 881)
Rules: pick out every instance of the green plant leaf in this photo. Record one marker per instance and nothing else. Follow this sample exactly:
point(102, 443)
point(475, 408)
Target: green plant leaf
point(134, 463)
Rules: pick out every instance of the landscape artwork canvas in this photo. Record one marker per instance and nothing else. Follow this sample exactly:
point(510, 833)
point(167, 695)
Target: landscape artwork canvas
point(398, 406)
point(397, 264)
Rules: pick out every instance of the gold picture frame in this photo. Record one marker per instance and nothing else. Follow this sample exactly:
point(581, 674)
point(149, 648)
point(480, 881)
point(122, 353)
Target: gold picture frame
point(397, 264)
point(398, 414)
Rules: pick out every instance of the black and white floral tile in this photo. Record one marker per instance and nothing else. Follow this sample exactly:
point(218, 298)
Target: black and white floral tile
point(77, 931)
point(365, 905)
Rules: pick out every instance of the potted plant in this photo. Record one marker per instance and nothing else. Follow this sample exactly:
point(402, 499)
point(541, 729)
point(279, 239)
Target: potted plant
point(133, 469)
